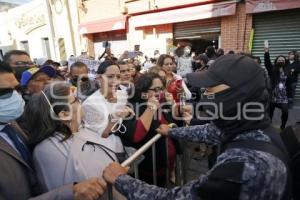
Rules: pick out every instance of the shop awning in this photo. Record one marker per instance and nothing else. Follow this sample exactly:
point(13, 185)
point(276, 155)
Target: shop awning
point(185, 14)
point(104, 25)
point(258, 6)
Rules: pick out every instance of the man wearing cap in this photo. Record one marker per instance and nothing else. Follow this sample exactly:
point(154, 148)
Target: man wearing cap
point(252, 163)
point(35, 79)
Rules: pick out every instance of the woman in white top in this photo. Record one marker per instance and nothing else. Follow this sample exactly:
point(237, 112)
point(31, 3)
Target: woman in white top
point(61, 160)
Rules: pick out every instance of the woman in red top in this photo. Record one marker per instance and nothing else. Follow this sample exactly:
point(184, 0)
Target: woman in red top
point(175, 84)
point(151, 110)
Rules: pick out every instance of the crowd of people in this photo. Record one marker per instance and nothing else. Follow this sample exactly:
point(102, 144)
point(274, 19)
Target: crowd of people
point(64, 133)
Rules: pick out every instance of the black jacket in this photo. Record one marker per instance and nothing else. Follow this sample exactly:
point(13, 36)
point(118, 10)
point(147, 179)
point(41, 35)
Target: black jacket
point(274, 72)
point(293, 69)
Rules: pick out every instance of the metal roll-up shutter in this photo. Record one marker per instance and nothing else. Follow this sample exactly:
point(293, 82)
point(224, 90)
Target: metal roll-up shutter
point(205, 29)
point(282, 30)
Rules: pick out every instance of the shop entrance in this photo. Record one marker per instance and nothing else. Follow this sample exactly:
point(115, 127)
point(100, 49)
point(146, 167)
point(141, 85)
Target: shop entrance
point(198, 45)
point(198, 34)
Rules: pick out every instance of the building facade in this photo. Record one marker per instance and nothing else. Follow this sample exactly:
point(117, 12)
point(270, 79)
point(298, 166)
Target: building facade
point(43, 28)
point(162, 25)
point(238, 25)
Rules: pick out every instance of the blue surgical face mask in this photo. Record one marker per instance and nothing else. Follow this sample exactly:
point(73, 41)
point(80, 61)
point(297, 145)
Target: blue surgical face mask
point(11, 108)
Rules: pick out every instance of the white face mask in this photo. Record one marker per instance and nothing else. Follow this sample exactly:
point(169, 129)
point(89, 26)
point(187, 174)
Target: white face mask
point(187, 51)
point(11, 107)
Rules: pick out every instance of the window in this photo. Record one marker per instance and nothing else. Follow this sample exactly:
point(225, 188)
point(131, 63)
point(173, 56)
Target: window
point(24, 46)
point(46, 48)
point(62, 49)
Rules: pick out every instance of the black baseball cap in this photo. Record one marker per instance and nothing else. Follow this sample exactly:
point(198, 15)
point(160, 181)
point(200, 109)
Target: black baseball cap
point(232, 70)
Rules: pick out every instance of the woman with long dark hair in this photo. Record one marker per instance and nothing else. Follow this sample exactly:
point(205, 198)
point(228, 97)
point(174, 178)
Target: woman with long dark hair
point(293, 69)
point(152, 109)
point(64, 151)
point(53, 120)
point(278, 74)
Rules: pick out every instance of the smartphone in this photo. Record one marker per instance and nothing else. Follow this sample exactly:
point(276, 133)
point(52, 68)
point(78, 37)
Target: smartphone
point(179, 83)
point(266, 44)
point(160, 97)
point(106, 44)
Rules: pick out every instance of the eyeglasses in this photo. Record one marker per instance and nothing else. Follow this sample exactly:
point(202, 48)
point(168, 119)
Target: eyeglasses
point(24, 63)
point(157, 89)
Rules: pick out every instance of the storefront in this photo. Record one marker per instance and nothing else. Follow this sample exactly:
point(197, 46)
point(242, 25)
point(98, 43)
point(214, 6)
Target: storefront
point(279, 27)
point(199, 34)
point(112, 30)
point(198, 26)
point(276, 22)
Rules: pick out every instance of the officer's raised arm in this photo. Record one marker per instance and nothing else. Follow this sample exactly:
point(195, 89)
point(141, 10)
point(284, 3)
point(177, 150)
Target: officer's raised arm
point(207, 133)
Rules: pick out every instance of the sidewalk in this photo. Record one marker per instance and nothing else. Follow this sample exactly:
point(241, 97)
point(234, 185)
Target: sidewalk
point(294, 116)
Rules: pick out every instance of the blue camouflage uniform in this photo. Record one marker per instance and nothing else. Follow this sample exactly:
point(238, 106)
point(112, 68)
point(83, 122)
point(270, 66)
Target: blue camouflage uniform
point(263, 177)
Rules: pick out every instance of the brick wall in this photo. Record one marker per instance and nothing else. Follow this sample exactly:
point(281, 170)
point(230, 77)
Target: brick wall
point(235, 30)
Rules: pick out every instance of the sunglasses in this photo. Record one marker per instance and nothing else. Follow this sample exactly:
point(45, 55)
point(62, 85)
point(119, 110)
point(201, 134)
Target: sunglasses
point(83, 79)
point(7, 92)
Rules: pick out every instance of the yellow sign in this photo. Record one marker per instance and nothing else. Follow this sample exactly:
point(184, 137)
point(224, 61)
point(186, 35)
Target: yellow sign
point(251, 40)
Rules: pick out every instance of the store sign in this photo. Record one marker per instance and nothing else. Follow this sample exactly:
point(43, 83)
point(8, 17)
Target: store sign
point(258, 6)
point(29, 22)
point(185, 14)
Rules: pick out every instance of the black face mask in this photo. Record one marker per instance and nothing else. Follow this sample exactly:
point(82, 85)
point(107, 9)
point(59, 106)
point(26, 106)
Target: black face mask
point(279, 64)
point(74, 81)
point(224, 104)
point(229, 116)
point(83, 81)
point(197, 65)
point(19, 71)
